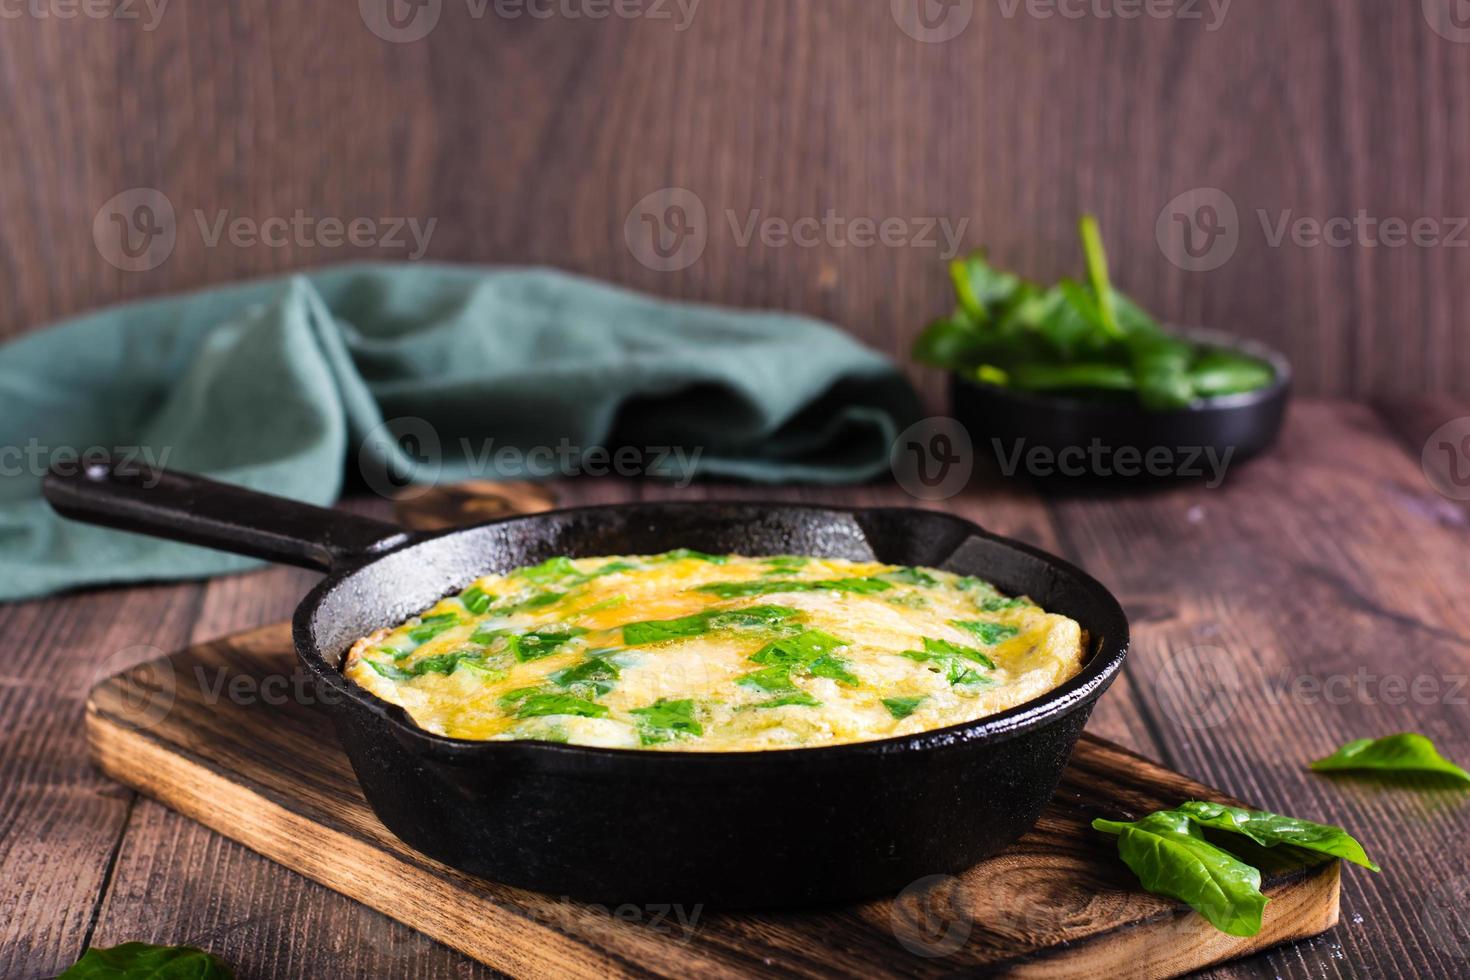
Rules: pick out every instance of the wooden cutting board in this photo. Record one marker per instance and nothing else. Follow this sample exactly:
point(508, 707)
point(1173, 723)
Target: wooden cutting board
point(225, 733)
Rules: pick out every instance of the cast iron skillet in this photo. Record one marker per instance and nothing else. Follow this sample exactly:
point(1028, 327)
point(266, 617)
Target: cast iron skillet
point(746, 829)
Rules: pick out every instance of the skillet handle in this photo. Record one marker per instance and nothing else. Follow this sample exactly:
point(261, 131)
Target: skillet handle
point(183, 507)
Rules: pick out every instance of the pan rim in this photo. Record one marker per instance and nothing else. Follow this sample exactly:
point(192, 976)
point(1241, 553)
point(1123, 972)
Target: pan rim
point(1097, 674)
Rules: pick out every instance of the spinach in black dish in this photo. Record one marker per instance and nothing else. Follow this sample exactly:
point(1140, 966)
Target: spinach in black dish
point(1076, 337)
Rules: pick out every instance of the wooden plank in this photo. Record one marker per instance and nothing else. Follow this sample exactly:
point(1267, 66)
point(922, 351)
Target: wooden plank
point(1058, 903)
point(785, 111)
point(1317, 597)
point(60, 820)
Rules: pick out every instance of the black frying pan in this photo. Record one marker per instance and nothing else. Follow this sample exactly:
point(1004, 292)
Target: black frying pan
point(777, 828)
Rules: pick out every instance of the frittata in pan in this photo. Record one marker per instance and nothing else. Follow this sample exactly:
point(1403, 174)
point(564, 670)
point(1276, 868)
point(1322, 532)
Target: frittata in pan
point(688, 651)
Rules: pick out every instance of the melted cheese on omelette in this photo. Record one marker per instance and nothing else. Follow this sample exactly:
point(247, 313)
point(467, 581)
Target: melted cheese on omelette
point(695, 652)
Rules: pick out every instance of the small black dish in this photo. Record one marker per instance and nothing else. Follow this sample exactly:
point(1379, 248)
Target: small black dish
point(1090, 436)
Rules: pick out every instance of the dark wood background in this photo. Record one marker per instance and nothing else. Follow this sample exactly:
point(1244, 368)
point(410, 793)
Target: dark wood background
point(530, 140)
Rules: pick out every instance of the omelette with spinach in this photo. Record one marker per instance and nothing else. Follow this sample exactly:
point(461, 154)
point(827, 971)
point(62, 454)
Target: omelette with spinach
point(687, 651)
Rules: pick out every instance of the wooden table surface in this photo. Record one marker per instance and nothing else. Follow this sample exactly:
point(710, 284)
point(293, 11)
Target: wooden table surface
point(1320, 595)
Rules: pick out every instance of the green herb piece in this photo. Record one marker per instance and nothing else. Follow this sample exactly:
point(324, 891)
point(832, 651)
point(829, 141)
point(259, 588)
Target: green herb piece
point(772, 680)
point(659, 630)
point(1270, 829)
point(541, 705)
point(987, 633)
point(595, 676)
point(476, 599)
point(549, 571)
point(439, 663)
point(799, 698)
point(753, 617)
point(999, 604)
point(835, 669)
point(960, 675)
point(144, 961)
point(785, 563)
point(804, 648)
point(901, 708)
point(1405, 752)
point(664, 721)
point(679, 554)
point(734, 590)
point(431, 626)
point(512, 698)
point(910, 576)
point(1169, 854)
point(945, 650)
point(538, 600)
point(541, 643)
point(613, 568)
point(969, 583)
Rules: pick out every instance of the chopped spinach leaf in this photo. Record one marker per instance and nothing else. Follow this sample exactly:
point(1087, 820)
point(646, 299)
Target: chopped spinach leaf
point(665, 720)
point(590, 675)
point(910, 576)
point(512, 698)
point(658, 630)
point(439, 663)
point(541, 705)
point(987, 633)
point(476, 599)
point(733, 590)
point(431, 626)
point(999, 603)
point(772, 679)
point(541, 643)
point(834, 668)
point(800, 698)
point(803, 648)
point(678, 554)
point(785, 563)
point(901, 708)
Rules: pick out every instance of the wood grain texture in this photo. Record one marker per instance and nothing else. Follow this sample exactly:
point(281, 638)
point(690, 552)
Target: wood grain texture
point(1057, 903)
point(531, 140)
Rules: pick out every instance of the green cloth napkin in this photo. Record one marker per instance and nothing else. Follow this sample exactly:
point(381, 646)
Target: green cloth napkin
point(285, 385)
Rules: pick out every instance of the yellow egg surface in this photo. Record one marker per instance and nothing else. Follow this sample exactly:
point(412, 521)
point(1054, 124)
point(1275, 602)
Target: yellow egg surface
point(687, 651)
